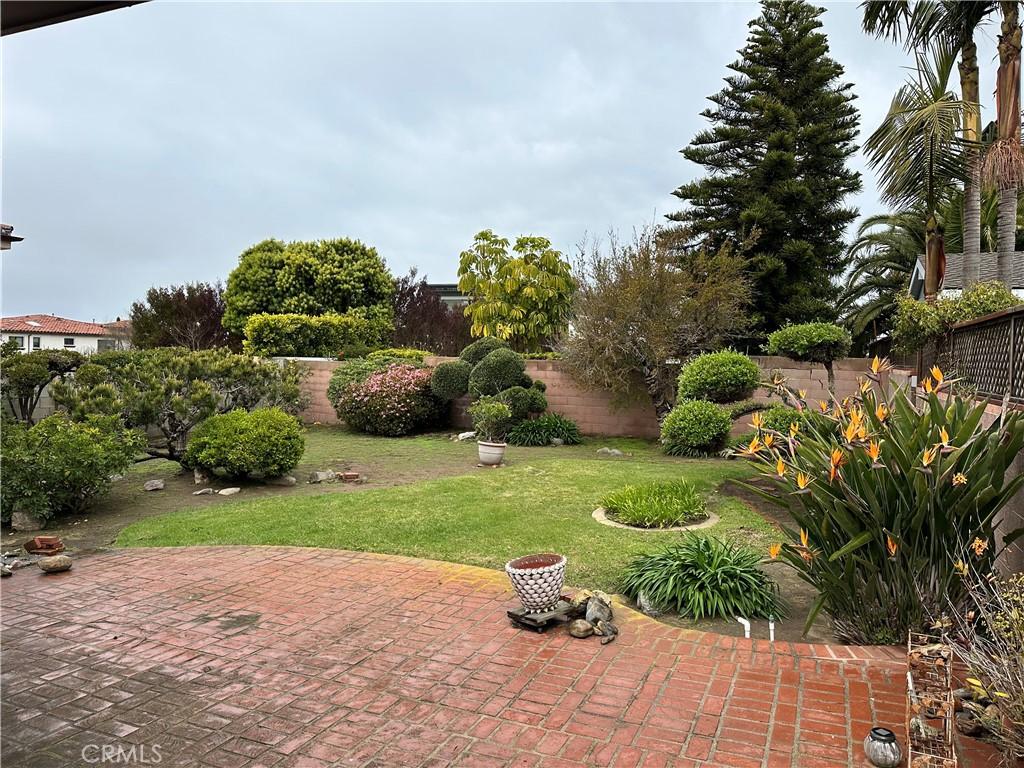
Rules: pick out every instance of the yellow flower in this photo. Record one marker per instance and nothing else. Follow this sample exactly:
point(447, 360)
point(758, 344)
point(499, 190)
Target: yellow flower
point(823, 406)
point(793, 429)
point(753, 448)
point(804, 538)
point(936, 373)
point(850, 432)
point(928, 457)
point(960, 567)
point(865, 386)
point(979, 547)
point(882, 412)
point(876, 365)
point(833, 473)
point(928, 387)
point(874, 450)
point(756, 420)
point(780, 468)
point(802, 480)
point(836, 457)
point(774, 550)
point(959, 479)
point(890, 544)
point(862, 432)
point(802, 394)
point(769, 440)
point(943, 436)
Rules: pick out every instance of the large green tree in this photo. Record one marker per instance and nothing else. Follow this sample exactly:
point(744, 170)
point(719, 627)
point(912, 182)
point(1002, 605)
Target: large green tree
point(306, 278)
point(776, 157)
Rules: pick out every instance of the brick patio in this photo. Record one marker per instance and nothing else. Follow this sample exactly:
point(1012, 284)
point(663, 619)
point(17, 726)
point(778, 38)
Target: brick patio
point(246, 657)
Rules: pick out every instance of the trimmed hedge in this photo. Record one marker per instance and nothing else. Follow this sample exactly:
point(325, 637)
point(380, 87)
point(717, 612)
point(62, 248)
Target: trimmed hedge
point(719, 377)
point(695, 428)
point(311, 335)
point(265, 441)
point(498, 371)
point(399, 353)
point(450, 379)
point(481, 348)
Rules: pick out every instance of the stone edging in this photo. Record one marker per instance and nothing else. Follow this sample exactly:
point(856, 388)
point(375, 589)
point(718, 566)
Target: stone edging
point(601, 515)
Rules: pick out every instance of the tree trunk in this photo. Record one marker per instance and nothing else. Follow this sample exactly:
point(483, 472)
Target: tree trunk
point(1009, 168)
point(830, 371)
point(1007, 232)
point(972, 130)
point(656, 391)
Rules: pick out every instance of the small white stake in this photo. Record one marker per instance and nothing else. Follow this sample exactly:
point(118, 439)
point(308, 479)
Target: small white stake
point(746, 626)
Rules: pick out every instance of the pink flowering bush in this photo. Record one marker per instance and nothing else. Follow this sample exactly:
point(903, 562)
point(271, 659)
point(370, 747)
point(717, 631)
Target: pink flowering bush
point(392, 402)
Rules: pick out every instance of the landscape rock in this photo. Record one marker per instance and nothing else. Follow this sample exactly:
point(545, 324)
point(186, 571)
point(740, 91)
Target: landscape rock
point(285, 480)
point(23, 521)
point(645, 605)
point(115, 477)
point(200, 477)
point(557, 441)
point(229, 491)
point(203, 492)
point(54, 564)
point(153, 485)
point(467, 435)
point(322, 476)
point(609, 452)
point(5, 571)
point(581, 628)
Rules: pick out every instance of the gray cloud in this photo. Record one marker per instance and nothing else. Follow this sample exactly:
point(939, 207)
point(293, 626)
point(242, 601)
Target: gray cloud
point(151, 145)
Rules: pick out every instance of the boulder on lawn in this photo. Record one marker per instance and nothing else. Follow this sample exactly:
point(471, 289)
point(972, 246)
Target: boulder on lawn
point(153, 485)
point(229, 491)
point(54, 564)
point(322, 476)
point(204, 492)
point(23, 521)
point(200, 477)
point(609, 452)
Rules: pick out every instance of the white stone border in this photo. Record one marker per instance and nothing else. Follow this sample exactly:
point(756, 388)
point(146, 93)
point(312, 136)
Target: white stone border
point(600, 514)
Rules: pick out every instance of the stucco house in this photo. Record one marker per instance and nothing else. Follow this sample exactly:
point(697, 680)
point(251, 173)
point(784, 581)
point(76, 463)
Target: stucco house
point(963, 270)
point(51, 332)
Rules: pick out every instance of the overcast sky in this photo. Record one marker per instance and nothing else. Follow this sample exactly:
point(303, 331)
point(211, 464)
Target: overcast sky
point(151, 145)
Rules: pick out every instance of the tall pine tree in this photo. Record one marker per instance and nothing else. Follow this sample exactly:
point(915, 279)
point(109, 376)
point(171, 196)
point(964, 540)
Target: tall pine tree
point(782, 130)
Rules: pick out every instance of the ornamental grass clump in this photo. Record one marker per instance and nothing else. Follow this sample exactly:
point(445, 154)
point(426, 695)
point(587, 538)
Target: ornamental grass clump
point(395, 401)
point(704, 578)
point(542, 430)
point(657, 505)
point(881, 490)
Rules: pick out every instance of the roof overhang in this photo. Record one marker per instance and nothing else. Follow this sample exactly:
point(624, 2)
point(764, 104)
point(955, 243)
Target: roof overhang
point(23, 15)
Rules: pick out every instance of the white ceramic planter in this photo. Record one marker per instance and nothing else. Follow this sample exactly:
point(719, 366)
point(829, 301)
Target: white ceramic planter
point(491, 454)
point(537, 580)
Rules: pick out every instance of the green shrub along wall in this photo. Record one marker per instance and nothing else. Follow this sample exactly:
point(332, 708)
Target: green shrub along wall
point(593, 410)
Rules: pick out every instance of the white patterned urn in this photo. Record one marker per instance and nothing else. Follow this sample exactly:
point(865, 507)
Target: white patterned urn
point(537, 580)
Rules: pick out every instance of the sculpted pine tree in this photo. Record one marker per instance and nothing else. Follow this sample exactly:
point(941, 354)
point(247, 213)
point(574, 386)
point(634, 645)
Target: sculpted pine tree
point(776, 157)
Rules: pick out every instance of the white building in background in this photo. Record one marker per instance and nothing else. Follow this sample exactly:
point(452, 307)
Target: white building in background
point(33, 332)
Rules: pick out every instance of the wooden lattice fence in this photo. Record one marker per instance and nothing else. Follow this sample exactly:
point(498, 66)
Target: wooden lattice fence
point(988, 354)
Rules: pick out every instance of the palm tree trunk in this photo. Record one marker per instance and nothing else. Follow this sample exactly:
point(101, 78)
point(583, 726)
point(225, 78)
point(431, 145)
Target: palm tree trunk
point(1008, 120)
point(972, 130)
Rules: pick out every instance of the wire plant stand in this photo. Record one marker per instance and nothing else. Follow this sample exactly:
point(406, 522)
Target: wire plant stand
point(930, 705)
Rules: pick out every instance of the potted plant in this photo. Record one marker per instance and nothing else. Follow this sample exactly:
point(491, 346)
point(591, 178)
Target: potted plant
point(491, 419)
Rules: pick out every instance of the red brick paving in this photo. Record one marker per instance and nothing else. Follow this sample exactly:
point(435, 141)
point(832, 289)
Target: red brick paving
point(256, 657)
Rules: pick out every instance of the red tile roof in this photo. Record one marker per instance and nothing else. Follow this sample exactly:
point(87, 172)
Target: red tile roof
point(50, 324)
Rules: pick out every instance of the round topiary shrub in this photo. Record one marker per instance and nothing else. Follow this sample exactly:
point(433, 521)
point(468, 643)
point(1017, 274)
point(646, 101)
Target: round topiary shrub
point(695, 428)
point(812, 343)
point(500, 370)
point(392, 402)
point(522, 402)
point(450, 380)
point(265, 441)
point(720, 377)
point(481, 348)
point(526, 380)
point(779, 417)
point(539, 385)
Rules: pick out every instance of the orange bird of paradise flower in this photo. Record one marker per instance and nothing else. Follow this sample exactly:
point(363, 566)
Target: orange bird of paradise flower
point(874, 450)
point(769, 440)
point(937, 374)
point(756, 421)
point(802, 480)
point(959, 479)
point(780, 468)
point(979, 546)
point(793, 428)
point(928, 386)
point(928, 457)
point(804, 538)
point(891, 545)
point(774, 550)
point(882, 412)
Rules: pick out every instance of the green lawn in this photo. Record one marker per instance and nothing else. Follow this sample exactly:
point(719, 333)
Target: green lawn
point(542, 501)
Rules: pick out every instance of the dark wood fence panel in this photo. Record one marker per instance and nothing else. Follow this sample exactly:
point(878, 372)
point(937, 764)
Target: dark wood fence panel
point(988, 354)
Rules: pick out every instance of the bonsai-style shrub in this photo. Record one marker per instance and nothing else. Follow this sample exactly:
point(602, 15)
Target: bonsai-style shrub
point(481, 348)
point(499, 370)
point(657, 505)
point(266, 441)
point(491, 419)
point(25, 375)
point(884, 492)
point(450, 379)
point(395, 401)
point(695, 428)
point(398, 353)
point(58, 466)
point(812, 343)
point(704, 578)
point(542, 430)
point(720, 377)
point(523, 402)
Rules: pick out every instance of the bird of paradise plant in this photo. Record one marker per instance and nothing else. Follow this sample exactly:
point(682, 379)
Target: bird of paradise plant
point(881, 488)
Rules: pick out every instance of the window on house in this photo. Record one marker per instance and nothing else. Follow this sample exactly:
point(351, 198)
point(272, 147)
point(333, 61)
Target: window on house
point(19, 340)
point(36, 342)
point(69, 341)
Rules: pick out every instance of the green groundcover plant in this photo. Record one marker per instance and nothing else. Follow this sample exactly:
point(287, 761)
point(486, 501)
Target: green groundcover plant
point(657, 505)
point(882, 489)
point(704, 578)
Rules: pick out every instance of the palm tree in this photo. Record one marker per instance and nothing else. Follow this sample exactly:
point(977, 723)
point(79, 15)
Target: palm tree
point(1004, 161)
point(918, 147)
